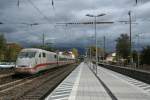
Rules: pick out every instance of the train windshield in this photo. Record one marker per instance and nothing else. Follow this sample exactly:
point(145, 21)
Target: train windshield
point(27, 54)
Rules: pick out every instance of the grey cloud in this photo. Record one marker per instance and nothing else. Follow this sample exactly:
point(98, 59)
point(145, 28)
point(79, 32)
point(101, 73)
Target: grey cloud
point(7, 30)
point(70, 11)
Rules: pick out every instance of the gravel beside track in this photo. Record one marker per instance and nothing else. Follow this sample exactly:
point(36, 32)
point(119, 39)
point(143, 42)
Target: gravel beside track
point(6, 71)
point(38, 87)
point(6, 75)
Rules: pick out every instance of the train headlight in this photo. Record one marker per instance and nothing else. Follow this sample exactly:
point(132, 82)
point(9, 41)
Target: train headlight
point(16, 66)
point(30, 65)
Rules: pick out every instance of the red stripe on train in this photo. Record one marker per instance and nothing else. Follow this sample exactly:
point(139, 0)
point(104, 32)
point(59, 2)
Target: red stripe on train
point(45, 64)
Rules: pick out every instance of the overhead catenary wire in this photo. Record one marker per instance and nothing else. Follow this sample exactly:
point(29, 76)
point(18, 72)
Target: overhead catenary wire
point(136, 1)
point(18, 3)
point(53, 4)
point(38, 10)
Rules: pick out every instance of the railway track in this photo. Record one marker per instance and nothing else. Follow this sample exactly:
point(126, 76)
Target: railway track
point(11, 83)
point(10, 78)
point(6, 75)
point(34, 87)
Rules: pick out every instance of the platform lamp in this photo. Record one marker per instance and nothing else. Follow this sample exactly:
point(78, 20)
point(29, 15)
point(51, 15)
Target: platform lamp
point(95, 17)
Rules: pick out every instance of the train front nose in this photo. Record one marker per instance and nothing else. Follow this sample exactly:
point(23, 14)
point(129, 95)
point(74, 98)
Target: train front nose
point(24, 66)
point(23, 62)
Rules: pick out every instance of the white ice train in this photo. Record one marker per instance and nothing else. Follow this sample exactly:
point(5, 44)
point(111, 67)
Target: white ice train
point(31, 60)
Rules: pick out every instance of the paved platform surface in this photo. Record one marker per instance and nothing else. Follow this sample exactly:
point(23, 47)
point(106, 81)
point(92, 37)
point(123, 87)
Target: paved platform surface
point(122, 86)
point(82, 84)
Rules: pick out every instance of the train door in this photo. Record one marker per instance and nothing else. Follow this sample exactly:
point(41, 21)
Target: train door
point(57, 59)
point(44, 59)
point(39, 58)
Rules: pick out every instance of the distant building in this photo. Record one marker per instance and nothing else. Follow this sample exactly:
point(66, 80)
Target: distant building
point(111, 57)
point(10, 45)
point(71, 54)
point(67, 53)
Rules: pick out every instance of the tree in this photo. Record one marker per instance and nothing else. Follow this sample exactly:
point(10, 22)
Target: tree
point(75, 52)
point(100, 52)
point(12, 51)
point(145, 55)
point(93, 51)
point(2, 46)
point(123, 46)
point(8, 51)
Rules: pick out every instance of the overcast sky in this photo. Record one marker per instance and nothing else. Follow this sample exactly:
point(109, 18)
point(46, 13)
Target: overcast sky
point(43, 13)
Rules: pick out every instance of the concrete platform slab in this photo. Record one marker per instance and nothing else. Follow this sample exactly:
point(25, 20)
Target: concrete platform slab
point(81, 84)
point(121, 87)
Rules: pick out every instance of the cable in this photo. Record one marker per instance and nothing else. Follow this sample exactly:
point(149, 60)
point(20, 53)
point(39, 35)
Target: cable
point(18, 3)
point(40, 12)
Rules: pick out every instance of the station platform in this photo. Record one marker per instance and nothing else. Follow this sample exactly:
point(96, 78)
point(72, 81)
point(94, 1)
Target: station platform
point(83, 84)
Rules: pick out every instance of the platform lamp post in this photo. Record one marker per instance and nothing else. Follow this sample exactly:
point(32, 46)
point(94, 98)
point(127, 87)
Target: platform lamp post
point(130, 30)
point(138, 57)
point(90, 51)
point(95, 17)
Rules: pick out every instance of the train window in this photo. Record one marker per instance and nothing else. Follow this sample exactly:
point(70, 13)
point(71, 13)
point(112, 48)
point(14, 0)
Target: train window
point(44, 55)
point(27, 54)
point(40, 55)
point(55, 56)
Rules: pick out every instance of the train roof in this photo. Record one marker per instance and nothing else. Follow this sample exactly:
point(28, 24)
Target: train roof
point(41, 50)
point(36, 49)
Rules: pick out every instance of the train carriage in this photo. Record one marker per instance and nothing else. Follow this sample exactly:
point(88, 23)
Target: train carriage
point(32, 60)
